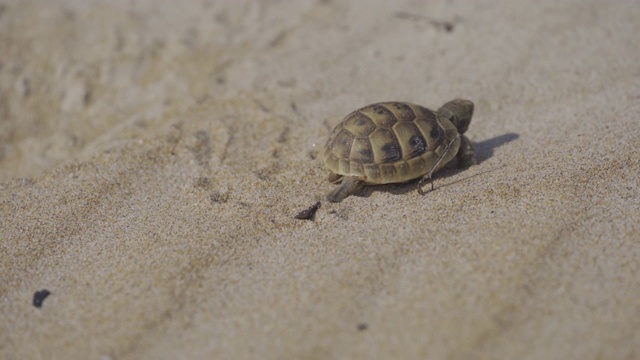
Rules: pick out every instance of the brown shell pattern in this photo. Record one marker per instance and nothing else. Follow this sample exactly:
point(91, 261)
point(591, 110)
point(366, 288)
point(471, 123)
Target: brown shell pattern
point(387, 142)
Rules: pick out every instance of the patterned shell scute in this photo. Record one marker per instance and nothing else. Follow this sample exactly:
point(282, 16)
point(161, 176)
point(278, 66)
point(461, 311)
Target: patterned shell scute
point(386, 142)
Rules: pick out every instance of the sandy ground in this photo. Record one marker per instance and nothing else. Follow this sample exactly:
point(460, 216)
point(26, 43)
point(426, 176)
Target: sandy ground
point(153, 156)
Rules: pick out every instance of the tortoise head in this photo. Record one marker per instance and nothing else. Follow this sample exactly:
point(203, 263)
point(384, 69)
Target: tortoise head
point(459, 112)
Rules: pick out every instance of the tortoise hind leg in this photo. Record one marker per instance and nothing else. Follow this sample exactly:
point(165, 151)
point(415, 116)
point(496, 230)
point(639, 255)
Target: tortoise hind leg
point(349, 186)
point(466, 155)
point(334, 178)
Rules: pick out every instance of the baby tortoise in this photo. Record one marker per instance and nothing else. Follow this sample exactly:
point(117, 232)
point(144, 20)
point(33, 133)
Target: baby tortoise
point(394, 142)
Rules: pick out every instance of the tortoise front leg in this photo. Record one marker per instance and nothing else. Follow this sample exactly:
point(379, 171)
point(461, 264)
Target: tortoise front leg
point(349, 186)
point(466, 155)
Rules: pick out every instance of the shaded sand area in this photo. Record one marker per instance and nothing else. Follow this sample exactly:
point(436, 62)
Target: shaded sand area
point(153, 156)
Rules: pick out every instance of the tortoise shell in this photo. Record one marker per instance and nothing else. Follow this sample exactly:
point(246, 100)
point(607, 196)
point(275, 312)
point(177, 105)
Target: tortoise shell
point(390, 142)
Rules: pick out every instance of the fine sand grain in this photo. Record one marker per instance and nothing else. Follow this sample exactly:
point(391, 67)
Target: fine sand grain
point(154, 154)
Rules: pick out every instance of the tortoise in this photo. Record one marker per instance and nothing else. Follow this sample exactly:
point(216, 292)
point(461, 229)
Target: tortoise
point(394, 142)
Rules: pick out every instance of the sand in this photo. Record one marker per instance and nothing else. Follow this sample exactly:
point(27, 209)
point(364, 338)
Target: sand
point(153, 156)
